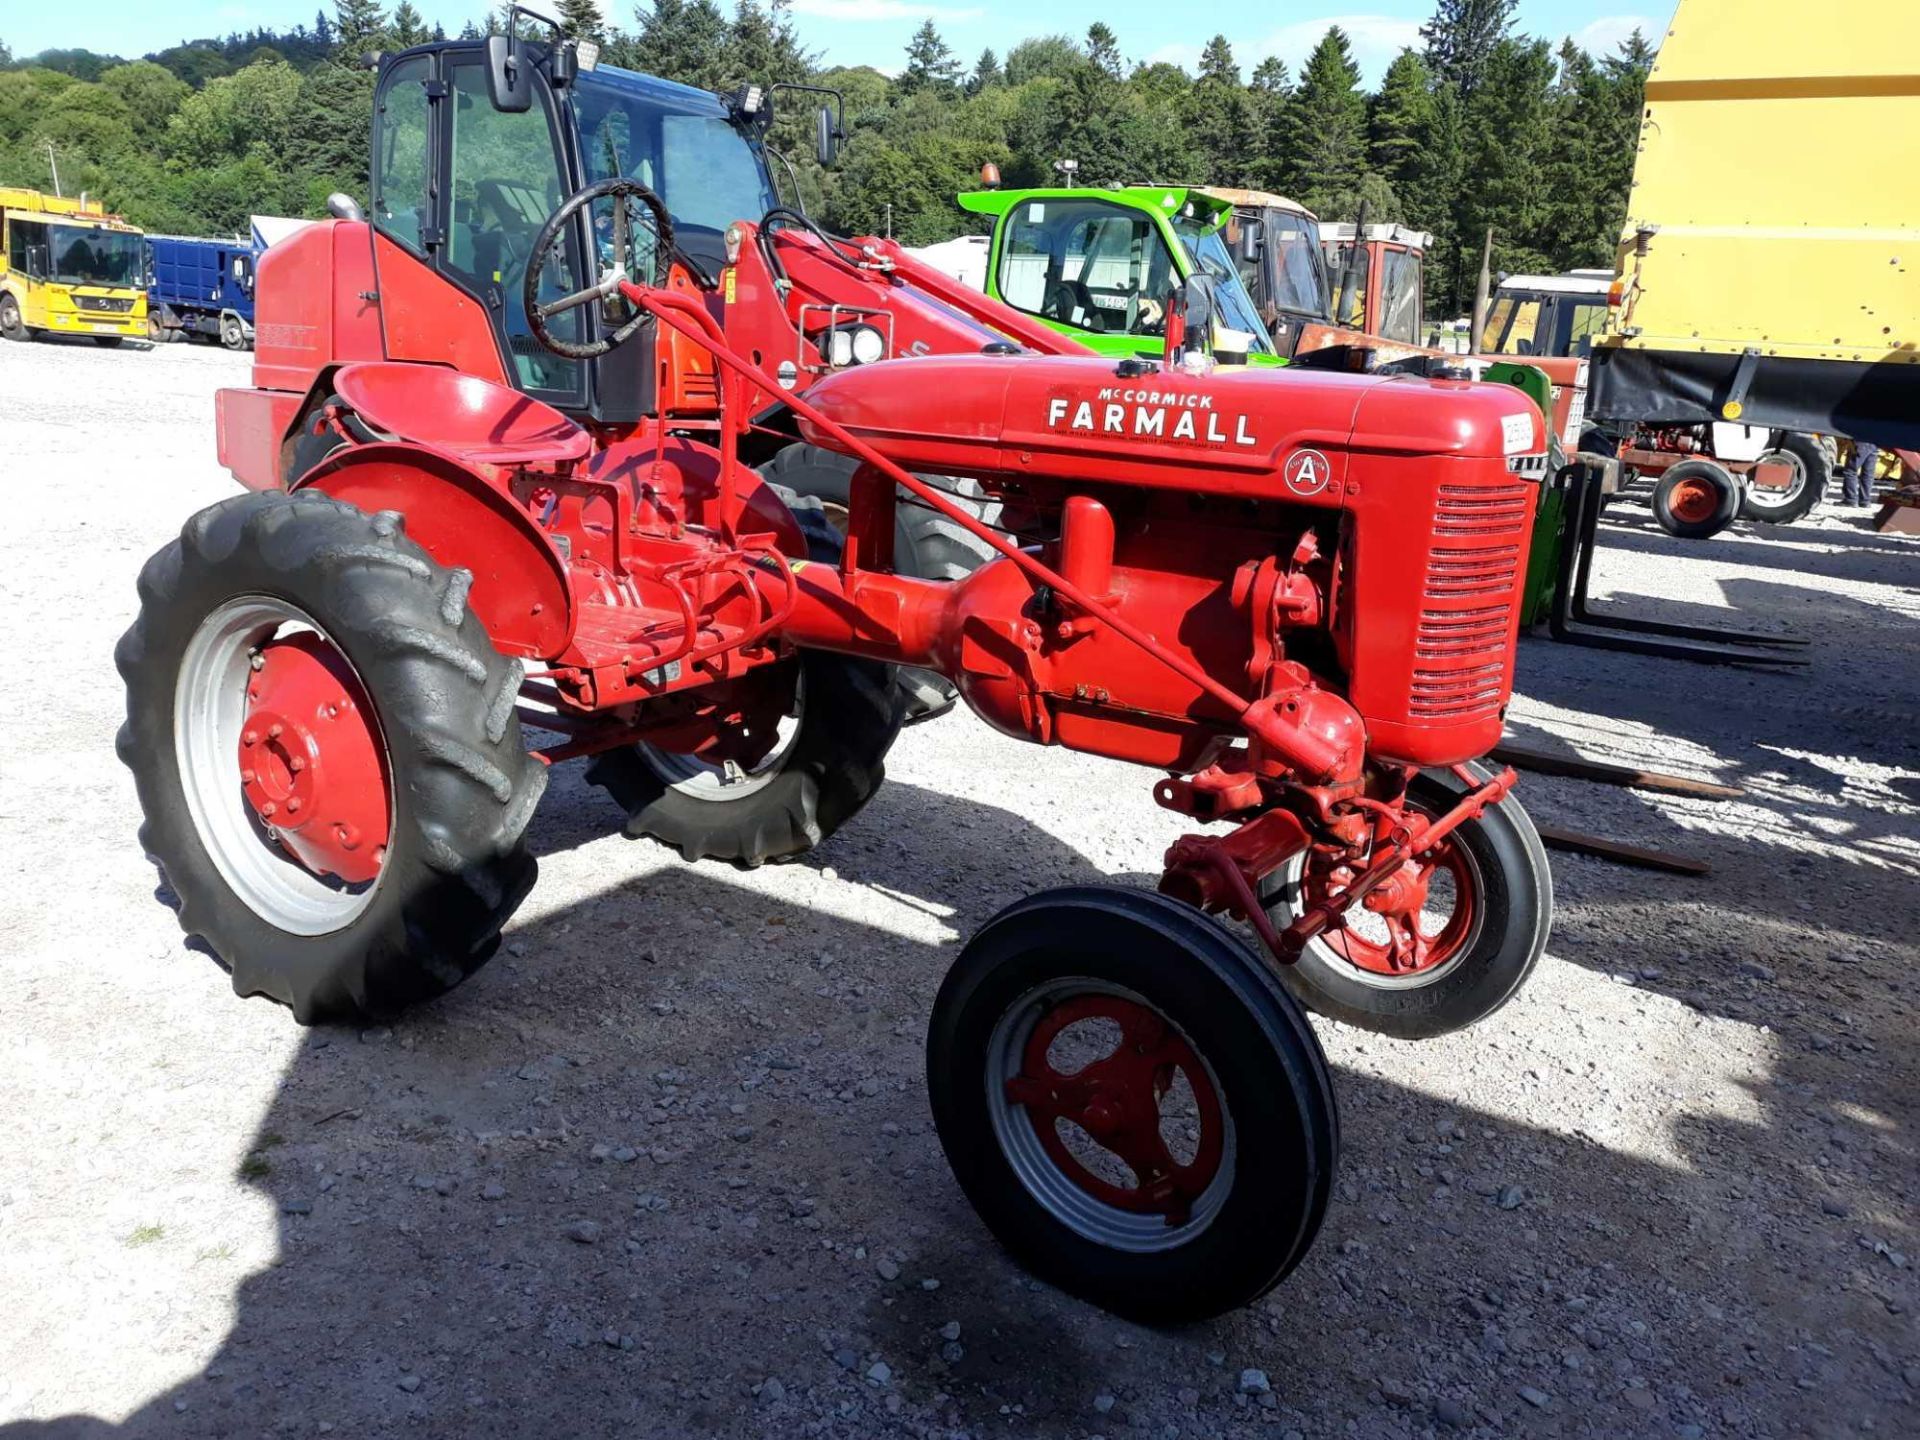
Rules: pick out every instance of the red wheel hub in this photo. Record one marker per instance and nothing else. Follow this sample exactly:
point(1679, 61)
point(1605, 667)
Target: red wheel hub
point(1397, 905)
point(1693, 501)
point(1116, 1101)
point(311, 762)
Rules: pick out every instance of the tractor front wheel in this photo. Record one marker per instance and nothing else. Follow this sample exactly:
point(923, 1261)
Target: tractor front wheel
point(1132, 1103)
point(1443, 944)
point(233, 334)
point(326, 752)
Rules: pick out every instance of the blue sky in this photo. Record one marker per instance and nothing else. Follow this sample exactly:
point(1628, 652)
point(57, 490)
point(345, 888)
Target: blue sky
point(874, 32)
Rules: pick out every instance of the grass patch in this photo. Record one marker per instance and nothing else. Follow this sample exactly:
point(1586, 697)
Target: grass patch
point(255, 1167)
point(145, 1235)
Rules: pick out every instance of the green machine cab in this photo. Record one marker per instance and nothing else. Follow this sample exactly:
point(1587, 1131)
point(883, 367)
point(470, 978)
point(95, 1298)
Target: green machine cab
point(1098, 264)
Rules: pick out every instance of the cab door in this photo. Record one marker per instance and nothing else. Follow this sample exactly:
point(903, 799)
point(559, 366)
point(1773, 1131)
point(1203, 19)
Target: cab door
point(460, 190)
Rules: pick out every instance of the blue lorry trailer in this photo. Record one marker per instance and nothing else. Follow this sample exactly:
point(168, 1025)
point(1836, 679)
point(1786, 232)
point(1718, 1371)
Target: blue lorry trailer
point(200, 287)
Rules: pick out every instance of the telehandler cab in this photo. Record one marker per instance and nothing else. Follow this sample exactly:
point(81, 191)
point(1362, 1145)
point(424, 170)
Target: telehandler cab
point(498, 476)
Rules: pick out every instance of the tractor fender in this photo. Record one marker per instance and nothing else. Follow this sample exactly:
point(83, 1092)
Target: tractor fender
point(452, 511)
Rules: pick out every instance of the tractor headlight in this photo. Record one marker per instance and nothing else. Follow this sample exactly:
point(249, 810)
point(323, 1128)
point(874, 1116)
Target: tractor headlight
point(853, 345)
point(869, 345)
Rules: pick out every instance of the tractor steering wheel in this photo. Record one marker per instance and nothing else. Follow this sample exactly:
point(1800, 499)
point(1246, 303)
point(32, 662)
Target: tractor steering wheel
point(613, 254)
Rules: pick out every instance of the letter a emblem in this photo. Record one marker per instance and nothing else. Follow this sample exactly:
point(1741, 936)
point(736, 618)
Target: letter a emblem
point(1308, 472)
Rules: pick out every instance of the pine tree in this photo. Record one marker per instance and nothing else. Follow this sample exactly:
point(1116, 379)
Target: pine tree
point(322, 30)
point(1271, 89)
point(407, 26)
point(1400, 119)
point(1103, 49)
point(1504, 153)
point(684, 40)
point(762, 47)
point(358, 26)
point(1217, 62)
point(1461, 37)
point(986, 73)
point(1331, 116)
point(582, 20)
point(930, 64)
point(1221, 119)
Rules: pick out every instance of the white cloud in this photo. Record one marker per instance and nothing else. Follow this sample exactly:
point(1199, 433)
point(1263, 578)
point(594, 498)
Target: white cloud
point(1609, 32)
point(881, 10)
point(1374, 40)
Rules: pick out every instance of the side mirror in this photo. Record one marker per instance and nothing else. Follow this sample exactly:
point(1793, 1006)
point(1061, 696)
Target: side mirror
point(509, 77)
point(826, 137)
point(1248, 246)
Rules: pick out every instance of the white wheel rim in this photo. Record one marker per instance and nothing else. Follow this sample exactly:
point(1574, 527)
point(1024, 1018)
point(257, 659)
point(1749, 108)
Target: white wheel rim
point(209, 712)
point(700, 779)
point(1779, 499)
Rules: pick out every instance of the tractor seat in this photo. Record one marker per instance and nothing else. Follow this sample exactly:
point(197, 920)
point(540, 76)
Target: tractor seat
point(475, 419)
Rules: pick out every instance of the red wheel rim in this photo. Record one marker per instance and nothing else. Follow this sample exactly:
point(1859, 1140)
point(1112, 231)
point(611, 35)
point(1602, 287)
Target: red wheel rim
point(1385, 934)
point(1693, 501)
point(312, 766)
point(1115, 1101)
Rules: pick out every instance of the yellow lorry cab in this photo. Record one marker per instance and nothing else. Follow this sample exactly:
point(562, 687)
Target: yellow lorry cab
point(69, 268)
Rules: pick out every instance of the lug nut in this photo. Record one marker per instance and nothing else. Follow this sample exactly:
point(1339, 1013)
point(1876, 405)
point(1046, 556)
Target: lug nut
point(269, 809)
point(251, 737)
point(296, 764)
point(274, 730)
point(293, 804)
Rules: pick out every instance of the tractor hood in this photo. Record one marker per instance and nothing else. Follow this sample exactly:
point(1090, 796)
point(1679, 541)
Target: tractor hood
point(1235, 433)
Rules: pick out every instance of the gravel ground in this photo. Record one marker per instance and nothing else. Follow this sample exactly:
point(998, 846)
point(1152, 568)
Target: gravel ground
point(665, 1167)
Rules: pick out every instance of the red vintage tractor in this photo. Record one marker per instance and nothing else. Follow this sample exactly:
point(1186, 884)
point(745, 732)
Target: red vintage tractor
point(475, 513)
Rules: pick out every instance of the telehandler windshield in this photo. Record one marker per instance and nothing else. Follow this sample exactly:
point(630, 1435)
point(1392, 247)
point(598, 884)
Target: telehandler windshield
point(681, 145)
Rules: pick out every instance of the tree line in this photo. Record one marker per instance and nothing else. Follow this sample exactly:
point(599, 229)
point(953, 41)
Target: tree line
point(1478, 127)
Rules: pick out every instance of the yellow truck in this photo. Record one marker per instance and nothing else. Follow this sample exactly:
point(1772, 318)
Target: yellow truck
point(67, 267)
point(1769, 270)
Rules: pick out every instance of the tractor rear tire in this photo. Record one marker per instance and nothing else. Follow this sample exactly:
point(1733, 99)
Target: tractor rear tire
point(1696, 499)
point(1799, 500)
point(849, 714)
point(461, 787)
point(233, 334)
point(12, 327)
point(1512, 913)
point(926, 545)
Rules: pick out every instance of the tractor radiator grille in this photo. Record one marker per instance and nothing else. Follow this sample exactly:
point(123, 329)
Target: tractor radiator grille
point(105, 304)
point(1460, 646)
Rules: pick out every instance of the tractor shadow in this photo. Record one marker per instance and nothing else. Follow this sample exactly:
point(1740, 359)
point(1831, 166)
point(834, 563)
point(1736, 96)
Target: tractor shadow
point(640, 1177)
